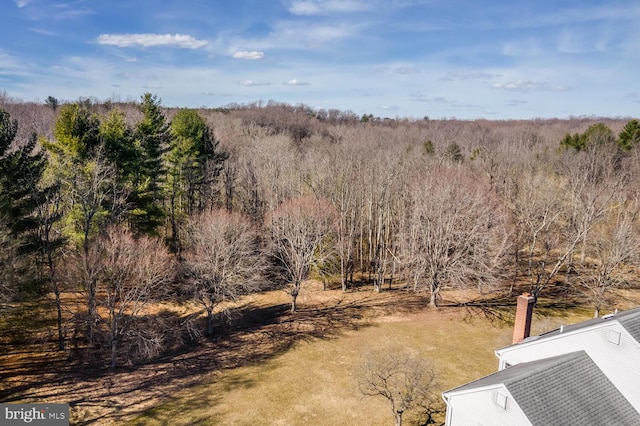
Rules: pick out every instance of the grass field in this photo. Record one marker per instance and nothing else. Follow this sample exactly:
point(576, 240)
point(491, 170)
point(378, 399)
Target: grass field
point(313, 383)
point(274, 367)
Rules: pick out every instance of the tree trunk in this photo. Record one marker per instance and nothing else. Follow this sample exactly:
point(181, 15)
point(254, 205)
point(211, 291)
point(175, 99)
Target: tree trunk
point(92, 310)
point(294, 296)
point(210, 322)
point(56, 292)
point(397, 417)
point(433, 298)
point(114, 353)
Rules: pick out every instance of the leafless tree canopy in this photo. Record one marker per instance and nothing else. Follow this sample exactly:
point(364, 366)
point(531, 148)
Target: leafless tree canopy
point(455, 232)
point(224, 258)
point(301, 233)
point(132, 273)
point(405, 379)
point(248, 194)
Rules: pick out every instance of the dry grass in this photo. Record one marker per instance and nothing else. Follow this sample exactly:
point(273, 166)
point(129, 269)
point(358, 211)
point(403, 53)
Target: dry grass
point(273, 367)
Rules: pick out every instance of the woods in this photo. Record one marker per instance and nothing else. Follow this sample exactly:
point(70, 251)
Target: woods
point(127, 205)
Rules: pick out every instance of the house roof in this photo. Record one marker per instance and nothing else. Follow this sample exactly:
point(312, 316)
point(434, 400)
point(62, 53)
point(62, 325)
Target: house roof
point(567, 389)
point(629, 320)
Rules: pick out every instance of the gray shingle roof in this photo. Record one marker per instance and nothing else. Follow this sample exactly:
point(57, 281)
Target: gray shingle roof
point(630, 320)
point(563, 390)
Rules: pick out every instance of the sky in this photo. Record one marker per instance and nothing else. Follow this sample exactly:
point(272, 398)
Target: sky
point(463, 59)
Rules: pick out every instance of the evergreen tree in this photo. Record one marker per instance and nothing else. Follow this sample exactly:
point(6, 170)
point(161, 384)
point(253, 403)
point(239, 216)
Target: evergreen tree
point(120, 149)
point(90, 194)
point(151, 138)
point(595, 135)
point(630, 135)
point(76, 132)
point(20, 174)
point(193, 163)
point(22, 200)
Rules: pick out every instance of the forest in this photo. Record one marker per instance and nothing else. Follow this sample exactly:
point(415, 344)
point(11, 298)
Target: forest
point(111, 208)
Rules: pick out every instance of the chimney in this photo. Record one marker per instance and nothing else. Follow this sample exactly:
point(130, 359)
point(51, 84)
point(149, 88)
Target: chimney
point(524, 313)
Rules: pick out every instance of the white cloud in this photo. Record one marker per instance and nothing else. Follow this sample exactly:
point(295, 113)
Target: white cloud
point(407, 69)
point(8, 62)
point(43, 32)
point(295, 82)
point(421, 97)
point(401, 69)
point(529, 86)
point(250, 55)
point(293, 34)
point(251, 83)
point(182, 41)
point(318, 7)
point(514, 102)
point(468, 75)
point(633, 97)
point(21, 3)
point(567, 16)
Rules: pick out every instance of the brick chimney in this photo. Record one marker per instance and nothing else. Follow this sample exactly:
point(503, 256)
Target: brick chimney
point(524, 314)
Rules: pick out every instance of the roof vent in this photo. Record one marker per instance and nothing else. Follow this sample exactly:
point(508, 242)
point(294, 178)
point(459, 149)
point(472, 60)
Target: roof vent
point(613, 336)
point(608, 316)
point(501, 400)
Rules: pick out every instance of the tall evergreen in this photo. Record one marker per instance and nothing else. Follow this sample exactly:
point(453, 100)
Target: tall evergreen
point(23, 201)
point(193, 163)
point(152, 139)
point(87, 179)
point(77, 133)
point(21, 170)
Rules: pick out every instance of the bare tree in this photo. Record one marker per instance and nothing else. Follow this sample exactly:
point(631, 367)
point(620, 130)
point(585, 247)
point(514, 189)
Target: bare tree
point(554, 211)
point(132, 273)
point(614, 243)
point(456, 233)
point(224, 258)
point(342, 169)
point(301, 231)
point(540, 211)
point(403, 378)
point(92, 195)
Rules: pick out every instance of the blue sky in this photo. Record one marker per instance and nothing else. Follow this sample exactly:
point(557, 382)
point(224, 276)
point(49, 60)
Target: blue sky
point(408, 58)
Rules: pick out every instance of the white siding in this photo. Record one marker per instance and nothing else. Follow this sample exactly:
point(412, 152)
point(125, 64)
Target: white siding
point(619, 362)
point(478, 408)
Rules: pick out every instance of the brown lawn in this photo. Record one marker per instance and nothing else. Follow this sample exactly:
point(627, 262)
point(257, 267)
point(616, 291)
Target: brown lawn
point(271, 366)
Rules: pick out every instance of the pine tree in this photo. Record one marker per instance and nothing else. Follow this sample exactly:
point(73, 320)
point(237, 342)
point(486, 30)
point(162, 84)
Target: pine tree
point(193, 164)
point(20, 174)
point(151, 138)
point(629, 135)
point(22, 200)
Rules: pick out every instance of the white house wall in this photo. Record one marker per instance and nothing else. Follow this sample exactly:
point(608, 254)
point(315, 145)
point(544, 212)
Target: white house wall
point(619, 362)
point(478, 408)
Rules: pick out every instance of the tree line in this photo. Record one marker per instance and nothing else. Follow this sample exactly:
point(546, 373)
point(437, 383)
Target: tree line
point(129, 204)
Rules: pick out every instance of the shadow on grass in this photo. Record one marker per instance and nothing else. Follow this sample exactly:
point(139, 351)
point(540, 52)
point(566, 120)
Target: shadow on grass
point(502, 307)
point(255, 333)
